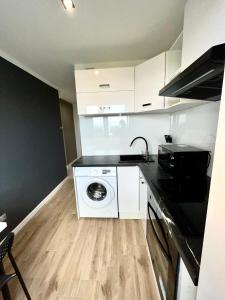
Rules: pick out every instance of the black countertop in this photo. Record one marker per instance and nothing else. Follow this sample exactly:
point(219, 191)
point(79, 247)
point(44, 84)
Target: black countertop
point(185, 221)
point(99, 161)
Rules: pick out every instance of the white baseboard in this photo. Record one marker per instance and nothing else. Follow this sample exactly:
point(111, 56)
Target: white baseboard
point(37, 208)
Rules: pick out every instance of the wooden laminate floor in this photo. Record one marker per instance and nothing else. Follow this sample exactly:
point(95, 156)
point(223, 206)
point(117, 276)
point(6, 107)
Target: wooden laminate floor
point(62, 258)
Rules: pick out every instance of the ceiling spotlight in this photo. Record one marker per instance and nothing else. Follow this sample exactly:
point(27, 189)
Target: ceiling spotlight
point(68, 4)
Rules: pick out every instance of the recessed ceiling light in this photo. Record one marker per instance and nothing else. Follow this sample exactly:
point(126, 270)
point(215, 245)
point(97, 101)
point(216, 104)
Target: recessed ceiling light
point(68, 4)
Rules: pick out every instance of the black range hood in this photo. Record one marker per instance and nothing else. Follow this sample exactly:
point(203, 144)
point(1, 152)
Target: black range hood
point(202, 80)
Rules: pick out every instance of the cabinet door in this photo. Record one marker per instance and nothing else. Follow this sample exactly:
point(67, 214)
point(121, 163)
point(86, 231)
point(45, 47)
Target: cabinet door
point(105, 102)
point(204, 25)
point(149, 79)
point(173, 64)
point(128, 192)
point(98, 80)
point(143, 201)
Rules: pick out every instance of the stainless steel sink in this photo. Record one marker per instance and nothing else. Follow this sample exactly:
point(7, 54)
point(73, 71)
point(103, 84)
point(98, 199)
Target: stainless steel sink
point(134, 158)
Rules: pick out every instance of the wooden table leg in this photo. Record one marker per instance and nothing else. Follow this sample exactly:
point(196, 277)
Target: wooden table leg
point(5, 289)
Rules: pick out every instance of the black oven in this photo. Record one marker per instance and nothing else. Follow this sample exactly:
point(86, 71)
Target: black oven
point(163, 252)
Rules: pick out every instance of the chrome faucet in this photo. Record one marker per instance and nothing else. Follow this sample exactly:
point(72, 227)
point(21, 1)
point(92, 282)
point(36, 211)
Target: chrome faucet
point(146, 156)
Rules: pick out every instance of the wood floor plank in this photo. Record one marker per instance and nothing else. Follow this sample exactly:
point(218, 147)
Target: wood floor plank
point(63, 258)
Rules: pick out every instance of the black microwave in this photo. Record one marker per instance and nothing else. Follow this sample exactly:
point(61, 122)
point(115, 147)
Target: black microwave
point(186, 169)
point(181, 161)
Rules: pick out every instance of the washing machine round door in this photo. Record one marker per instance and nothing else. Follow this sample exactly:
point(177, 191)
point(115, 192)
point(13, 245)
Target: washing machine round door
point(98, 193)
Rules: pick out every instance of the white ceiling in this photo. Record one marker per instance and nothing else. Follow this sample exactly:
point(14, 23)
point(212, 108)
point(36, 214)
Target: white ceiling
point(48, 40)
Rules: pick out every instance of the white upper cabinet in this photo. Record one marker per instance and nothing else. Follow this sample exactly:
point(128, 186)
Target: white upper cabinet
point(204, 24)
point(104, 80)
point(105, 102)
point(105, 91)
point(149, 79)
point(173, 65)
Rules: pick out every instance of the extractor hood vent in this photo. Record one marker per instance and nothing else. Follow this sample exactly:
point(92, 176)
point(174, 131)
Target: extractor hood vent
point(202, 80)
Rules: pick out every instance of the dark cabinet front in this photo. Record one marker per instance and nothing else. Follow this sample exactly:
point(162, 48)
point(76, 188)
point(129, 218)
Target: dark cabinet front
point(163, 253)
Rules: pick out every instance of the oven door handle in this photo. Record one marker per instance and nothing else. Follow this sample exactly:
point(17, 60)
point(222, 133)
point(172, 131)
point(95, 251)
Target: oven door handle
point(165, 251)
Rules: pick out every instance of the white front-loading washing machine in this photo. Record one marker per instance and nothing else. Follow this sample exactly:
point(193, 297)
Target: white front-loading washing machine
point(96, 189)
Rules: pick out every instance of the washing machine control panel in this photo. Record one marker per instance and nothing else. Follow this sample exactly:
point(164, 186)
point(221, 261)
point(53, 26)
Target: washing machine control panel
point(95, 171)
point(100, 172)
point(106, 172)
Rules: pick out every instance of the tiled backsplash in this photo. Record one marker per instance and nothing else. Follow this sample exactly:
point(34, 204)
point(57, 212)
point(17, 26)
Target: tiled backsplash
point(197, 127)
point(109, 135)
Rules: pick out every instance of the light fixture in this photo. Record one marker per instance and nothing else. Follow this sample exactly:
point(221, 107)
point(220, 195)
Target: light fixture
point(68, 4)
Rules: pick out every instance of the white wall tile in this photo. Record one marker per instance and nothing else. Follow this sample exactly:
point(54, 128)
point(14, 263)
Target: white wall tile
point(111, 135)
point(196, 126)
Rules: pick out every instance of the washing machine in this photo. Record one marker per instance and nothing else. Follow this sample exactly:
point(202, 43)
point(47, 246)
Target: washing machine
point(96, 189)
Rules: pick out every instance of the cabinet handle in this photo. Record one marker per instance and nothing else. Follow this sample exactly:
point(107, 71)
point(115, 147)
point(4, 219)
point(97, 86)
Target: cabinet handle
point(146, 104)
point(105, 85)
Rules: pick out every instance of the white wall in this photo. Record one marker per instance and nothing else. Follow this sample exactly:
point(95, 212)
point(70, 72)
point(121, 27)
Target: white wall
point(111, 135)
point(212, 272)
point(197, 127)
point(204, 23)
point(77, 129)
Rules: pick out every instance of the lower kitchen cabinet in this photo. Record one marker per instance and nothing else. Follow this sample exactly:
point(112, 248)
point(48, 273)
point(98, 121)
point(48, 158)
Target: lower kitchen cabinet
point(128, 192)
point(143, 194)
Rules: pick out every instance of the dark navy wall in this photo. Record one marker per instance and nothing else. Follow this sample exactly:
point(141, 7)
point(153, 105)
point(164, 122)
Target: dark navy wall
point(32, 159)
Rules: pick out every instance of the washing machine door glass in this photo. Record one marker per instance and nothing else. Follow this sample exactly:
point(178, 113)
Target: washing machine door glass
point(96, 191)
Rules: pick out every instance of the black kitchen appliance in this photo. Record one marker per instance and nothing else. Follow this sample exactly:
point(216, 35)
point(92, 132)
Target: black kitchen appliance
point(163, 252)
point(202, 80)
point(168, 138)
point(186, 167)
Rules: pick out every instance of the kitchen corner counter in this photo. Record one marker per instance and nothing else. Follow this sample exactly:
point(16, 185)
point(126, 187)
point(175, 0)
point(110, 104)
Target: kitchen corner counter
point(188, 245)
